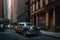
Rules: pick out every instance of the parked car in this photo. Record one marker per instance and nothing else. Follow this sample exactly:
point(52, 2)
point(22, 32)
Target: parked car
point(2, 26)
point(27, 28)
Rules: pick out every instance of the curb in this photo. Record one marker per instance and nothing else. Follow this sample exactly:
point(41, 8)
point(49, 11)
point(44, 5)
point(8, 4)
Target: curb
point(51, 36)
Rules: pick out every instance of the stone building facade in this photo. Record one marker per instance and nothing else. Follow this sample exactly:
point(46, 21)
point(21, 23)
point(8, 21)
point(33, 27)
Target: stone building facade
point(45, 13)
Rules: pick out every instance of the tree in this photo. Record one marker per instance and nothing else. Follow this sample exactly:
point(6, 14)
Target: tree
point(6, 21)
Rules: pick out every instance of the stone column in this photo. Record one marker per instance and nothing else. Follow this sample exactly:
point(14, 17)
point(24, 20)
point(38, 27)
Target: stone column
point(33, 20)
point(41, 3)
point(47, 19)
point(36, 20)
point(54, 18)
point(46, 2)
point(36, 4)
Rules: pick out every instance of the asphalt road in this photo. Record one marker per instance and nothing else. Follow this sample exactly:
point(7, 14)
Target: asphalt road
point(10, 34)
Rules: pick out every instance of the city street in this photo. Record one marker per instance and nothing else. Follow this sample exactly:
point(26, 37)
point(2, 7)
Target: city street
point(10, 34)
point(41, 17)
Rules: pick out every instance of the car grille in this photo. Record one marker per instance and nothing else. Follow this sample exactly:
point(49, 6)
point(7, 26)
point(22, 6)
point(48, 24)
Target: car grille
point(33, 31)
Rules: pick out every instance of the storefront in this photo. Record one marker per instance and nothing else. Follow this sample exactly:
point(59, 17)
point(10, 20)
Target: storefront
point(47, 17)
point(42, 20)
point(57, 9)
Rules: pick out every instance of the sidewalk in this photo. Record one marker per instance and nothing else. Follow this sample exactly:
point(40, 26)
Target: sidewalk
point(52, 34)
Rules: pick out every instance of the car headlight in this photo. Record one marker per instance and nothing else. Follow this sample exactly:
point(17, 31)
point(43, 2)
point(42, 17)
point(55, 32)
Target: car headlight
point(31, 28)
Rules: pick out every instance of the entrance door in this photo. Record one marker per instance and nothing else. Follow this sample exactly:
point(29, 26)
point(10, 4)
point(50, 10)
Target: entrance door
point(58, 18)
point(42, 20)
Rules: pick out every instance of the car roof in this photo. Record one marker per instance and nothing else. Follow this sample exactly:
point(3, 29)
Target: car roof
point(23, 23)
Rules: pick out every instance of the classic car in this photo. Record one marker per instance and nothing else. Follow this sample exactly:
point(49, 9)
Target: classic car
point(27, 28)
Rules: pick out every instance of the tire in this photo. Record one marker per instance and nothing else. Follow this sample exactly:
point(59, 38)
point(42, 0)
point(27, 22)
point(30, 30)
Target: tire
point(39, 33)
point(24, 34)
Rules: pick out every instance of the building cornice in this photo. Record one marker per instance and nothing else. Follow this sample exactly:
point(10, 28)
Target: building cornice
point(46, 7)
point(38, 11)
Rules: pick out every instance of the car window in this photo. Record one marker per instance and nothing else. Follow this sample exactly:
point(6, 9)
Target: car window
point(21, 24)
point(29, 24)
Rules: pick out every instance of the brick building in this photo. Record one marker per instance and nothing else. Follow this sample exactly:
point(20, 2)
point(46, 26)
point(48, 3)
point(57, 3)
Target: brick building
point(45, 13)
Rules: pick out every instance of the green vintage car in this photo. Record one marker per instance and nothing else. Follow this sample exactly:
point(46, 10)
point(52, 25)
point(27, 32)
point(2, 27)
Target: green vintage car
point(27, 28)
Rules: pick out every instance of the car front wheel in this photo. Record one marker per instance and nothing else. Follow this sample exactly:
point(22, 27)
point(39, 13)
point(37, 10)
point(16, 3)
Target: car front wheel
point(24, 34)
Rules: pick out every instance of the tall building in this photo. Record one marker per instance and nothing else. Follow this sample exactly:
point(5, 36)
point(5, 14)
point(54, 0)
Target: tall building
point(10, 10)
point(1, 9)
point(45, 13)
point(14, 10)
point(27, 10)
point(7, 9)
point(21, 10)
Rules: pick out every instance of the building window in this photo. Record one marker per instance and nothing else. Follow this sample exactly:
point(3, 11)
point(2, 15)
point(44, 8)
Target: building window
point(50, 1)
point(35, 4)
point(31, 6)
point(42, 20)
point(46, 2)
point(57, 10)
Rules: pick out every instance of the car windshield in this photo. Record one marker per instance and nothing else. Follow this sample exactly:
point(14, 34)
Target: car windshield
point(21, 24)
point(29, 24)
